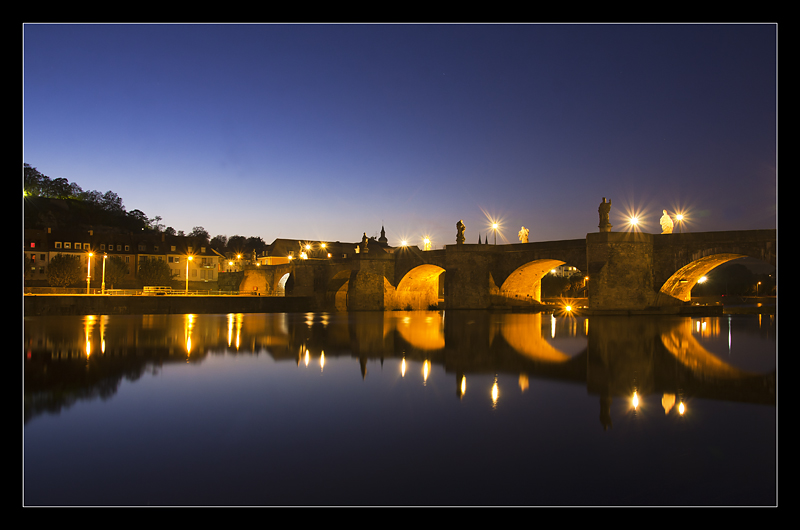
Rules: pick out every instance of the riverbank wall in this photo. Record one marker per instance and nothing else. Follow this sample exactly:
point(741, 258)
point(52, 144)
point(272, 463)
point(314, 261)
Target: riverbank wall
point(52, 305)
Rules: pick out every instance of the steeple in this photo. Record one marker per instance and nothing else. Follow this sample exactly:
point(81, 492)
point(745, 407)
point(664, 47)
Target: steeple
point(382, 239)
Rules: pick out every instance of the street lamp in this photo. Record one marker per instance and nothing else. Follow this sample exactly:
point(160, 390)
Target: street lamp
point(188, 259)
point(494, 228)
point(103, 286)
point(88, 271)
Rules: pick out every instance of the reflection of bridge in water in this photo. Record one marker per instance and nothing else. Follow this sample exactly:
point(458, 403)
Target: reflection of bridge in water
point(650, 355)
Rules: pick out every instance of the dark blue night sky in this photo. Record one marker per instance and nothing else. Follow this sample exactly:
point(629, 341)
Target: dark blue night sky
point(329, 131)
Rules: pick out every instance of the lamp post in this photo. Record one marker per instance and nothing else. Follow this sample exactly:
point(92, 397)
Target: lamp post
point(103, 285)
point(88, 271)
point(188, 259)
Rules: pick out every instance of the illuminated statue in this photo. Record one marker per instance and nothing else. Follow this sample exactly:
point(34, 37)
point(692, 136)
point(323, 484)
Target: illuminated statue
point(523, 235)
point(460, 227)
point(364, 243)
point(666, 223)
point(604, 209)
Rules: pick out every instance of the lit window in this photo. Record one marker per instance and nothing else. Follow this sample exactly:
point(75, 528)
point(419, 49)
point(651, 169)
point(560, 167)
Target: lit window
point(58, 244)
point(127, 248)
point(67, 245)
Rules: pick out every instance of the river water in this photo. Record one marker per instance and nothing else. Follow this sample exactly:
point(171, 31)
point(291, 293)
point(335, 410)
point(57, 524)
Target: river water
point(418, 408)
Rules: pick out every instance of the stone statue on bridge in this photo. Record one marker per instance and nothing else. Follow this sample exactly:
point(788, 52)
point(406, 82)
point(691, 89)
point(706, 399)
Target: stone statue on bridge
point(666, 223)
point(603, 210)
point(523, 235)
point(460, 228)
point(364, 243)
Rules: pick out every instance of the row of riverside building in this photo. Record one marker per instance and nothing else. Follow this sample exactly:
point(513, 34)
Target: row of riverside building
point(42, 245)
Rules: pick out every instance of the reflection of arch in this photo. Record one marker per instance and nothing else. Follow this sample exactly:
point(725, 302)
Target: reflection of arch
point(526, 281)
point(679, 285)
point(523, 332)
point(680, 342)
point(419, 288)
point(424, 331)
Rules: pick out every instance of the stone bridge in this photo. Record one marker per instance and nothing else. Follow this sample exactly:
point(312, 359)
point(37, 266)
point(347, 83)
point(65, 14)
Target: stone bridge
point(627, 271)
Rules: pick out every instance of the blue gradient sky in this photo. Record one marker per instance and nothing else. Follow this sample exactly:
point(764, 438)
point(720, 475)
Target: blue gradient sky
point(329, 131)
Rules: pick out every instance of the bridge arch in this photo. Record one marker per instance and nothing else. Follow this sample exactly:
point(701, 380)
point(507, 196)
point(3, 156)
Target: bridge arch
point(524, 284)
point(420, 288)
point(338, 285)
point(280, 285)
point(679, 286)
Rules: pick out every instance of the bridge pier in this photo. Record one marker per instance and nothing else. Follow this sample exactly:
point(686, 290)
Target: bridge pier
point(620, 266)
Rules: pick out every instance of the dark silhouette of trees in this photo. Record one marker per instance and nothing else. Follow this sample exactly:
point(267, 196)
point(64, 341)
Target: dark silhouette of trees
point(64, 270)
point(116, 271)
point(154, 272)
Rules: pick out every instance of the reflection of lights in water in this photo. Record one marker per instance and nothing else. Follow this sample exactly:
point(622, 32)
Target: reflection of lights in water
point(523, 382)
point(307, 357)
point(403, 368)
point(189, 326)
point(463, 384)
point(668, 401)
point(88, 325)
point(322, 361)
point(552, 326)
point(681, 408)
point(635, 400)
point(729, 333)
point(495, 392)
point(426, 369)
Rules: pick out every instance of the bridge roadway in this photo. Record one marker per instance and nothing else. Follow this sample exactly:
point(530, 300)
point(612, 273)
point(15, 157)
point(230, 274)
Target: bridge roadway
point(628, 271)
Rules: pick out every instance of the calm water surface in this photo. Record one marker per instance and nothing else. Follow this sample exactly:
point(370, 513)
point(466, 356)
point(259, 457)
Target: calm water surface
point(400, 408)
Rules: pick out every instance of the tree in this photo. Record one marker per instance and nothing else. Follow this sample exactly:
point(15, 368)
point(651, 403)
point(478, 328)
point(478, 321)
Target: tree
point(64, 270)
point(154, 272)
point(139, 217)
point(219, 242)
point(116, 270)
point(59, 188)
point(237, 244)
point(155, 224)
point(34, 181)
point(111, 202)
point(255, 244)
point(169, 231)
point(199, 231)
